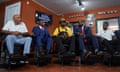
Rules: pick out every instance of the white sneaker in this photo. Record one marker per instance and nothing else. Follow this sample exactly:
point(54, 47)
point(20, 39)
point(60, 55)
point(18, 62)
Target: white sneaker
point(26, 62)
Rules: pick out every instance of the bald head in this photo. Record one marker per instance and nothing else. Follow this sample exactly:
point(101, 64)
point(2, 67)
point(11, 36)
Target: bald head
point(17, 18)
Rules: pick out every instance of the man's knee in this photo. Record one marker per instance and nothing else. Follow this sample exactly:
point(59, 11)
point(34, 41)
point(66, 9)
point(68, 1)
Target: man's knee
point(49, 40)
point(10, 37)
point(28, 39)
point(80, 39)
point(57, 39)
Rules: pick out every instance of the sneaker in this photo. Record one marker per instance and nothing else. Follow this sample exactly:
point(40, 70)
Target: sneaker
point(100, 53)
point(22, 61)
point(96, 51)
point(13, 62)
point(26, 61)
point(89, 53)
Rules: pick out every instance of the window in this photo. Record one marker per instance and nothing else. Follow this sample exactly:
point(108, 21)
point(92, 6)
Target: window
point(113, 24)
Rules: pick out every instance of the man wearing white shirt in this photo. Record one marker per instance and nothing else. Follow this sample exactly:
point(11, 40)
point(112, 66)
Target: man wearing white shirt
point(106, 36)
point(16, 30)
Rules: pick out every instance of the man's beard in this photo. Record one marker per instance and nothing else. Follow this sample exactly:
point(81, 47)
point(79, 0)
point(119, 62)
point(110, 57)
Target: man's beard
point(105, 28)
point(62, 25)
point(80, 25)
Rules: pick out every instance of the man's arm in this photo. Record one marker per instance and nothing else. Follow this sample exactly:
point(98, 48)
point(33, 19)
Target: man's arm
point(88, 32)
point(55, 33)
point(113, 35)
point(5, 31)
point(24, 31)
point(47, 32)
point(16, 33)
point(77, 32)
point(26, 34)
point(10, 32)
point(70, 32)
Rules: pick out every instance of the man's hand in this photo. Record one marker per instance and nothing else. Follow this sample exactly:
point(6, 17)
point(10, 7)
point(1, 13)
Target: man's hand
point(80, 34)
point(61, 36)
point(114, 37)
point(16, 33)
point(27, 34)
point(101, 39)
point(77, 33)
point(65, 36)
point(31, 34)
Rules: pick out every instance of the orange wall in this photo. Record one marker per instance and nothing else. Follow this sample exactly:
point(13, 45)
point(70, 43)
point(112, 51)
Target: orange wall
point(94, 12)
point(28, 13)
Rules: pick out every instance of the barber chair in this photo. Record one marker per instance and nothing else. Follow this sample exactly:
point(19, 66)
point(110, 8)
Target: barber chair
point(42, 58)
point(12, 61)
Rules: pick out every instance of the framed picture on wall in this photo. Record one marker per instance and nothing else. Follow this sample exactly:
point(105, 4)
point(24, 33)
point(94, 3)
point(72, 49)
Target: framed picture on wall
point(47, 17)
point(113, 24)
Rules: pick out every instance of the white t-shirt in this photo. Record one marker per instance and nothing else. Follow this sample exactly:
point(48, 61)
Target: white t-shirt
point(106, 34)
point(10, 26)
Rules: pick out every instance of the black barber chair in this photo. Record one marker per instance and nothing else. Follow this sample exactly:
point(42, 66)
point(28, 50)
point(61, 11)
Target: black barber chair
point(17, 59)
point(42, 58)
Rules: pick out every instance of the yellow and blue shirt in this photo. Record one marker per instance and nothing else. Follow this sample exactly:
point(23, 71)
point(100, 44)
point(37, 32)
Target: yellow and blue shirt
point(62, 29)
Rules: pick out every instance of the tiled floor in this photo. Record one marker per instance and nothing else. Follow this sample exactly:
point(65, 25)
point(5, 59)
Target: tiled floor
point(64, 68)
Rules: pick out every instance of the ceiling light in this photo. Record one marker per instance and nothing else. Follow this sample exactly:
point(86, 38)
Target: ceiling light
point(82, 8)
point(36, 14)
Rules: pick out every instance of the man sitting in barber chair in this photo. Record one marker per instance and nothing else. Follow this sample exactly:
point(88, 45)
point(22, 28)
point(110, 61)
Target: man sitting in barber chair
point(107, 38)
point(42, 36)
point(16, 32)
point(83, 35)
point(63, 36)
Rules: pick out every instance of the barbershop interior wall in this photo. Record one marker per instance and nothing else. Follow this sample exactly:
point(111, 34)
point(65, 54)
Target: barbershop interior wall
point(94, 12)
point(28, 13)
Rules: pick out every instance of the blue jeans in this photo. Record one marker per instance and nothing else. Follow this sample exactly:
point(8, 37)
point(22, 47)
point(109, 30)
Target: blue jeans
point(12, 39)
